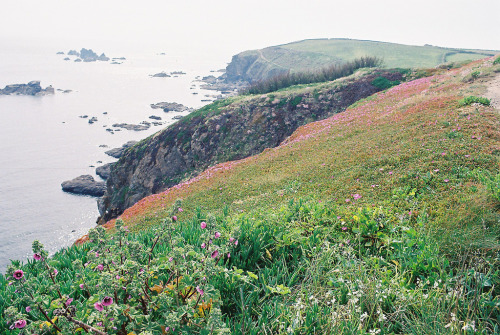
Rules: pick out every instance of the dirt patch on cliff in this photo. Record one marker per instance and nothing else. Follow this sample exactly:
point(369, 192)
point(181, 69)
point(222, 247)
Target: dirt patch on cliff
point(493, 91)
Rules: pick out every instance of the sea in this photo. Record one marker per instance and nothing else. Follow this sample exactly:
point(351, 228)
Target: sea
point(45, 140)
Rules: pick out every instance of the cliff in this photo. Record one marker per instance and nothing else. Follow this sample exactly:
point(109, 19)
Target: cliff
point(227, 130)
point(309, 55)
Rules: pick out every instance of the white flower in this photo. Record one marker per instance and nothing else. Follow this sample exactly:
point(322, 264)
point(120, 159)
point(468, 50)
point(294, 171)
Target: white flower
point(470, 326)
point(363, 316)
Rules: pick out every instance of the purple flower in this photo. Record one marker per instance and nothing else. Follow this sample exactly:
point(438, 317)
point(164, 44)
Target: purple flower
point(107, 301)
point(200, 291)
point(203, 245)
point(217, 234)
point(215, 254)
point(81, 286)
point(100, 267)
point(37, 257)
point(20, 323)
point(171, 259)
point(174, 218)
point(203, 225)
point(28, 309)
point(99, 306)
point(69, 301)
point(18, 274)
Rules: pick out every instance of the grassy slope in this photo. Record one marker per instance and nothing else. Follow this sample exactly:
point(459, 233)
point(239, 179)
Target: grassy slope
point(407, 137)
point(317, 52)
point(411, 150)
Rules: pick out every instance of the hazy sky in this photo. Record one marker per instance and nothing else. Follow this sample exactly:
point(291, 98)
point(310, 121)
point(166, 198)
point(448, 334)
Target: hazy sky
point(231, 26)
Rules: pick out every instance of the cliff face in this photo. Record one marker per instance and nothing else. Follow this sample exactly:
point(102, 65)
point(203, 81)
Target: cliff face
point(226, 130)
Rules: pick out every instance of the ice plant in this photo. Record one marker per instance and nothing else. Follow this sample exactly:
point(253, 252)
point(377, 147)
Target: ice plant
point(215, 253)
point(217, 234)
point(203, 225)
point(37, 257)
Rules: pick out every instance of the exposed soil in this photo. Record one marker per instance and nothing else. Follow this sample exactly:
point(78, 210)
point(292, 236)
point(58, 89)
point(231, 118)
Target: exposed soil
point(493, 91)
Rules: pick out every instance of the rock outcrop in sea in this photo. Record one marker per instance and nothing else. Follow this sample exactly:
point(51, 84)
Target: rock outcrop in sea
point(84, 185)
point(31, 88)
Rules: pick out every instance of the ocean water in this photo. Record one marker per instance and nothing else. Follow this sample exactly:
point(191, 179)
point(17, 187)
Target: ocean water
point(43, 140)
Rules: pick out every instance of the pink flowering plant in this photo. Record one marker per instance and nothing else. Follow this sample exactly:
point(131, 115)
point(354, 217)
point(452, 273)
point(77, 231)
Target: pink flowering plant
point(156, 282)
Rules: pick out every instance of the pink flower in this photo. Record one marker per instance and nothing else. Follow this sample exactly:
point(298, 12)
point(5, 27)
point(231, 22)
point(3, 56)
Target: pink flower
point(107, 301)
point(217, 234)
point(37, 257)
point(100, 267)
point(200, 291)
point(356, 196)
point(69, 301)
point(446, 180)
point(215, 254)
point(55, 272)
point(99, 306)
point(344, 228)
point(81, 286)
point(18, 274)
point(347, 200)
point(171, 259)
point(231, 239)
point(174, 218)
point(443, 154)
point(228, 255)
point(28, 309)
point(20, 323)
point(203, 225)
point(236, 242)
point(180, 210)
point(203, 245)
point(390, 172)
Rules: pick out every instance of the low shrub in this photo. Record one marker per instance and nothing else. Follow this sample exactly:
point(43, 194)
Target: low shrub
point(473, 99)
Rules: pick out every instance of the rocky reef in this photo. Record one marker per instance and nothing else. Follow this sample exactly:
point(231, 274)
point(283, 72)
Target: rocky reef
point(226, 130)
point(84, 185)
point(31, 88)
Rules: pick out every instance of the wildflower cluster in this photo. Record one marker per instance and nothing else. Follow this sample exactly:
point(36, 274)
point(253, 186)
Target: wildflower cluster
point(124, 286)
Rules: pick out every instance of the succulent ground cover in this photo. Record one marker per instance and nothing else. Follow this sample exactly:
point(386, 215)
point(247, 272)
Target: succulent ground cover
point(382, 219)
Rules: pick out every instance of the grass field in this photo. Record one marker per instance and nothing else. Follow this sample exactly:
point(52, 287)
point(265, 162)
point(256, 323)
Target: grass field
point(317, 53)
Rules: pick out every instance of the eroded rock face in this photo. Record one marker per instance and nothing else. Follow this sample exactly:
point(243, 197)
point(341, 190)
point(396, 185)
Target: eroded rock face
point(84, 185)
point(104, 171)
point(118, 152)
point(236, 131)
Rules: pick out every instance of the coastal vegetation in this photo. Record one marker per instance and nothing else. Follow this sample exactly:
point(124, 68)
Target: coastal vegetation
point(329, 73)
point(382, 219)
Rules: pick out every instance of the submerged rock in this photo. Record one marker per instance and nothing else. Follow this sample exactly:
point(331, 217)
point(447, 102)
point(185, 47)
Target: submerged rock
point(170, 107)
point(84, 185)
point(135, 127)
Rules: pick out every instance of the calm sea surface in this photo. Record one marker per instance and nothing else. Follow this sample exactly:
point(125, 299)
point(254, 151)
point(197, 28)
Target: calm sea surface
point(43, 141)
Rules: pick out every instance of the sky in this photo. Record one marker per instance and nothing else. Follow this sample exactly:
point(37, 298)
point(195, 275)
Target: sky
point(231, 26)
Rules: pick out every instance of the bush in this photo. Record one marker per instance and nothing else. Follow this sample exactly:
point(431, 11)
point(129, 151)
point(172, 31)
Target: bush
point(473, 99)
point(496, 61)
point(384, 83)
